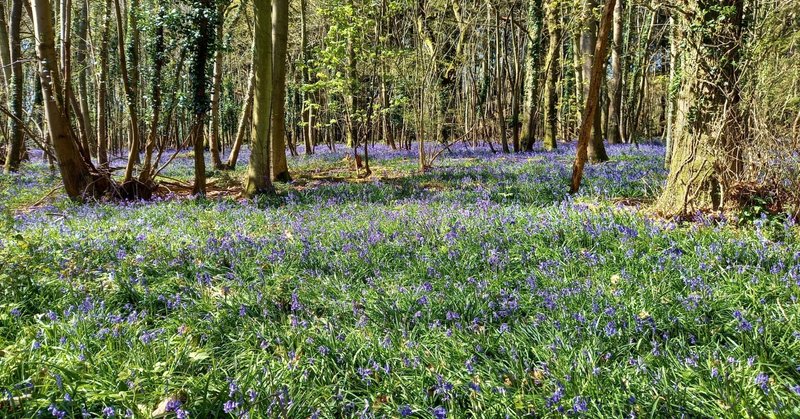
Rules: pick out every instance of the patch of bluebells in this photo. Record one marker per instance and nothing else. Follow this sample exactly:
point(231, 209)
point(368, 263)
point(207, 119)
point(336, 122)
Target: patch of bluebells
point(459, 277)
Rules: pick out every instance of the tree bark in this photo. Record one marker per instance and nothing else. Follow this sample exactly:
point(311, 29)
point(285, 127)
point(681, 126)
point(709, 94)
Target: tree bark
point(532, 64)
point(130, 95)
point(102, 90)
point(707, 132)
point(17, 131)
point(202, 42)
point(76, 174)
point(259, 176)
point(551, 75)
point(615, 91)
point(216, 96)
point(244, 119)
point(593, 94)
point(280, 37)
point(597, 150)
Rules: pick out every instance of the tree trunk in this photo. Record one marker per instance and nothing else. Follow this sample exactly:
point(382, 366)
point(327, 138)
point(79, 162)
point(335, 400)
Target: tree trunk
point(597, 150)
point(280, 36)
point(244, 119)
point(158, 58)
point(708, 132)
point(202, 42)
point(216, 96)
point(259, 179)
point(674, 82)
point(83, 65)
point(615, 90)
point(102, 90)
point(596, 77)
point(76, 174)
point(130, 95)
point(17, 132)
point(551, 75)
point(532, 64)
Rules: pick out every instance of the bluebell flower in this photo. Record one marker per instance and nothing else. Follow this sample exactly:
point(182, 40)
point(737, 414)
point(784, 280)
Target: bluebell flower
point(762, 381)
point(405, 411)
point(439, 412)
point(579, 404)
point(109, 412)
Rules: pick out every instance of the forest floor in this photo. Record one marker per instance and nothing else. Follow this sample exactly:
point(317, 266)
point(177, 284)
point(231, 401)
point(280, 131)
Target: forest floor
point(478, 288)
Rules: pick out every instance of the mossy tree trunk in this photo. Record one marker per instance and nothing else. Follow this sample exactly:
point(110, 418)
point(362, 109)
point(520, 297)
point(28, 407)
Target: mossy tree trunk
point(551, 75)
point(707, 131)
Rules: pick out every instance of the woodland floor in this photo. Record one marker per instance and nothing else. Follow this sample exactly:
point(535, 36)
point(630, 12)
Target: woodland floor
point(476, 289)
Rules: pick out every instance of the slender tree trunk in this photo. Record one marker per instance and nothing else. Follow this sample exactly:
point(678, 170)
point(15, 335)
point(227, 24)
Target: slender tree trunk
point(158, 58)
point(130, 96)
point(83, 65)
point(674, 83)
point(202, 43)
point(216, 96)
point(596, 77)
point(551, 75)
point(280, 36)
point(259, 179)
point(597, 150)
point(102, 90)
point(244, 119)
point(17, 132)
point(615, 90)
point(5, 41)
point(134, 41)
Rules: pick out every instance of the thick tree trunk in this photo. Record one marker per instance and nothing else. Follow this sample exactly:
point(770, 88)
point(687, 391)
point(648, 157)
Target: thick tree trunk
point(551, 76)
point(259, 179)
point(708, 131)
point(79, 181)
point(533, 61)
point(17, 131)
point(615, 88)
point(280, 36)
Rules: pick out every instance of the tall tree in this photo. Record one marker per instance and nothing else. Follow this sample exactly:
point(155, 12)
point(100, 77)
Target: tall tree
point(259, 176)
point(596, 77)
point(15, 88)
point(615, 89)
point(551, 74)
point(102, 88)
point(532, 64)
point(280, 37)
point(708, 132)
point(588, 41)
point(79, 178)
point(216, 91)
point(202, 15)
